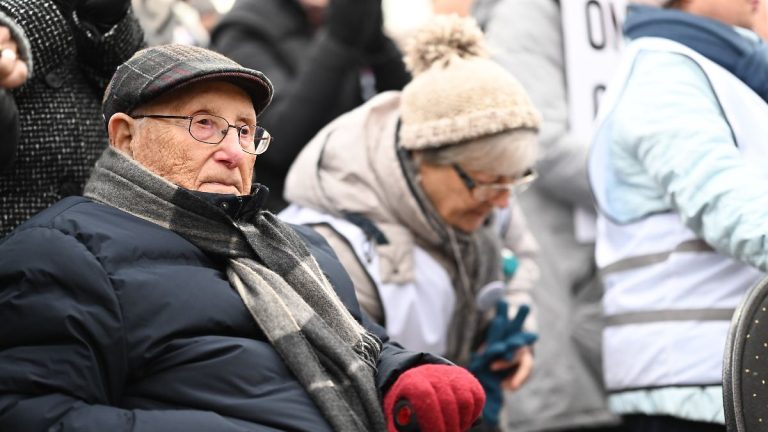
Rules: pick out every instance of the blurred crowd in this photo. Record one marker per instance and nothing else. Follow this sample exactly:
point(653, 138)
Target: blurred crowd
point(438, 162)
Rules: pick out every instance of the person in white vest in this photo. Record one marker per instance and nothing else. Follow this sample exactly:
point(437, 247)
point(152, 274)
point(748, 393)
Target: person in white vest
point(414, 191)
point(677, 168)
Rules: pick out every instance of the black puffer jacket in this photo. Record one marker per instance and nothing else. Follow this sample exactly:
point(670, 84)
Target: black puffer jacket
point(316, 78)
point(112, 323)
point(62, 130)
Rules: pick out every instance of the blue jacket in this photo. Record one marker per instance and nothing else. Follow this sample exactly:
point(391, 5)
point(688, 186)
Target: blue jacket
point(112, 323)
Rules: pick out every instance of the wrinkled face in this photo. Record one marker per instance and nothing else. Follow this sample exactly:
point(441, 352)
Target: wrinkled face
point(165, 147)
point(454, 202)
point(740, 13)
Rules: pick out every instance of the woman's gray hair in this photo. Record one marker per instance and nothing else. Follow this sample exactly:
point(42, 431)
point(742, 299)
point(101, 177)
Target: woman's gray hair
point(508, 153)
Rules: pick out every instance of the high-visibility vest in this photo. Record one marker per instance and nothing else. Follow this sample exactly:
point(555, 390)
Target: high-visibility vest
point(668, 296)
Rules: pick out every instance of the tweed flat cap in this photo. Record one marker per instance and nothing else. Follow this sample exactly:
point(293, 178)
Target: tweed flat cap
point(154, 71)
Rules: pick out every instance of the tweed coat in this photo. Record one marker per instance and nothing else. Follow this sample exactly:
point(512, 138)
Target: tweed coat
point(61, 125)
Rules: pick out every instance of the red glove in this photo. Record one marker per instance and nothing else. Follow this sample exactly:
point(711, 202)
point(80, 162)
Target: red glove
point(435, 398)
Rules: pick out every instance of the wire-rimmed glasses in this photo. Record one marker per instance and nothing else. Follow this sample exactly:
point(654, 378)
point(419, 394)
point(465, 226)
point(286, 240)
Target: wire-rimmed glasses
point(211, 129)
point(489, 191)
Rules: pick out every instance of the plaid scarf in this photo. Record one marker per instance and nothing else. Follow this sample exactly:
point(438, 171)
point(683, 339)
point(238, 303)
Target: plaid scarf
point(281, 284)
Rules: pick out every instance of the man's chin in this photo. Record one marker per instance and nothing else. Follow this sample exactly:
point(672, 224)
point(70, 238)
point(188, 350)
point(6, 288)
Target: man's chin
point(218, 188)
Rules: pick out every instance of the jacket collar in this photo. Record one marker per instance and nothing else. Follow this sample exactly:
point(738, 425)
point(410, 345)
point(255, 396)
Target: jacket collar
point(237, 207)
point(746, 58)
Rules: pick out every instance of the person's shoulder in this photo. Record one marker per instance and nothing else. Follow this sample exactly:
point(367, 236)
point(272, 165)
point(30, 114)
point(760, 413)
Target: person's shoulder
point(73, 209)
point(55, 231)
point(665, 76)
point(58, 214)
point(94, 224)
point(671, 60)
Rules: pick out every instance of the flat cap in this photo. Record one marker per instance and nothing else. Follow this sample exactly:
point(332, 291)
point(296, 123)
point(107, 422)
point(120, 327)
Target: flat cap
point(156, 70)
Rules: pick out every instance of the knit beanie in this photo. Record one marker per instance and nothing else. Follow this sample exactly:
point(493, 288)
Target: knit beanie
point(458, 93)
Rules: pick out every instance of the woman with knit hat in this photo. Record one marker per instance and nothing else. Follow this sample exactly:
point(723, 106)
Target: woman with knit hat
point(677, 167)
point(414, 191)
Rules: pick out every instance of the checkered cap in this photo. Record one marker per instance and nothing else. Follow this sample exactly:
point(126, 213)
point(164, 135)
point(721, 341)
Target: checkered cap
point(156, 70)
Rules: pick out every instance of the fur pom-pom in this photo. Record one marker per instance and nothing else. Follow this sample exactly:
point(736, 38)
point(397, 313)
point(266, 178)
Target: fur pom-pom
point(443, 38)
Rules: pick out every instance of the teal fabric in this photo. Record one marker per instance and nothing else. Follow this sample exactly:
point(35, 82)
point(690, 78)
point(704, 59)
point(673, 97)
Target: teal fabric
point(503, 339)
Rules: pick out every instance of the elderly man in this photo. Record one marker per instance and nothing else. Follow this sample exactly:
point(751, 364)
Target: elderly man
point(166, 300)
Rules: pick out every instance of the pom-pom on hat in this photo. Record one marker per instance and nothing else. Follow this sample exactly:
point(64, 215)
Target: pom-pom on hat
point(458, 93)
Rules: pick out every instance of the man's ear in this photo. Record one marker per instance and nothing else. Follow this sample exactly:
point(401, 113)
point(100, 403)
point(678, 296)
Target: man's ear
point(122, 131)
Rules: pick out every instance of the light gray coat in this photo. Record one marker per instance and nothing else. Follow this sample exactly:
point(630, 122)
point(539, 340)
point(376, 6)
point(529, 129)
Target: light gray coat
point(565, 390)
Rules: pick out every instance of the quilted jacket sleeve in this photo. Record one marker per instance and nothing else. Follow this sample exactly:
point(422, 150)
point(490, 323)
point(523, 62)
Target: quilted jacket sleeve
point(670, 125)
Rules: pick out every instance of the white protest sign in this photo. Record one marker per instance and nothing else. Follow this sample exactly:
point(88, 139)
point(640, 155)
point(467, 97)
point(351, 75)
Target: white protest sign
point(592, 40)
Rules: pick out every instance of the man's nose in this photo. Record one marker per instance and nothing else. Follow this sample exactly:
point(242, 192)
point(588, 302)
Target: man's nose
point(230, 150)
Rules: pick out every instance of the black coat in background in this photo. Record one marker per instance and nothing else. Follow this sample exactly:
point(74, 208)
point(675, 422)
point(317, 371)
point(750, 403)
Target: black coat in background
point(316, 78)
point(111, 323)
point(61, 125)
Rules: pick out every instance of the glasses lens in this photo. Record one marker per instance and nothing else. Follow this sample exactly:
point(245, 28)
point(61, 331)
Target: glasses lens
point(260, 141)
point(208, 128)
point(247, 138)
point(487, 192)
point(212, 129)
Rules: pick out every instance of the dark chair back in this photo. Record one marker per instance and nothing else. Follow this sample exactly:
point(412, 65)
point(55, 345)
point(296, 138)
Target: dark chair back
point(745, 366)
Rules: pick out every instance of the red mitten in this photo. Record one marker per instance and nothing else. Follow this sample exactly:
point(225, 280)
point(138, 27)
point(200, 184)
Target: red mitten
point(435, 398)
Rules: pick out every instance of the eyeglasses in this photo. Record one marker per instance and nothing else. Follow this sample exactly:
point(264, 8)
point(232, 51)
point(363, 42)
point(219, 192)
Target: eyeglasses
point(489, 191)
point(211, 129)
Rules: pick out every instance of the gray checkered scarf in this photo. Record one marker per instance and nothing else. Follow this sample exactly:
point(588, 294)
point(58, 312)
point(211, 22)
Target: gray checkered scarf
point(279, 281)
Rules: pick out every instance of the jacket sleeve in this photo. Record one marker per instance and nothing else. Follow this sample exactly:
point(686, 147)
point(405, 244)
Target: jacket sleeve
point(388, 68)
point(670, 123)
point(62, 347)
point(100, 53)
point(525, 36)
point(55, 39)
point(519, 239)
